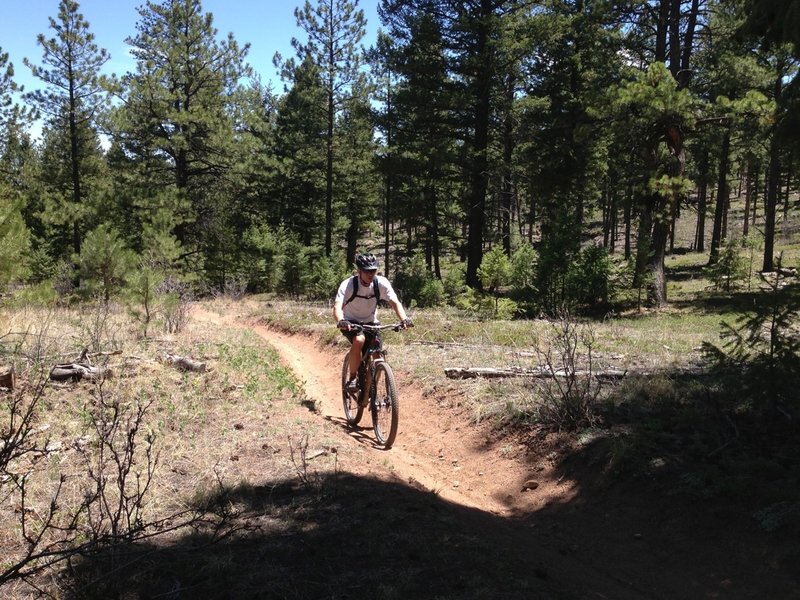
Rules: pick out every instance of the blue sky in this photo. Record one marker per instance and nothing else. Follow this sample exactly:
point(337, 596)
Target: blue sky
point(268, 25)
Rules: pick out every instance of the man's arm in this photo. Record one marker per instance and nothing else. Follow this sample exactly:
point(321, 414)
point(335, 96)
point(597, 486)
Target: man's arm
point(338, 312)
point(398, 309)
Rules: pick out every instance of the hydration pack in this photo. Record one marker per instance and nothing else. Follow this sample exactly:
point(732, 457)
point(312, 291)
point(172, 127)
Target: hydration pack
point(375, 287)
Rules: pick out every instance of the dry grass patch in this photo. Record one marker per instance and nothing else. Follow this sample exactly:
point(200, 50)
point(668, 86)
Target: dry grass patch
point(140, 453)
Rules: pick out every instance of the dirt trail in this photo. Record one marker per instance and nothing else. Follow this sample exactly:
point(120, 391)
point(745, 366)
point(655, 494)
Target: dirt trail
point(436, 448)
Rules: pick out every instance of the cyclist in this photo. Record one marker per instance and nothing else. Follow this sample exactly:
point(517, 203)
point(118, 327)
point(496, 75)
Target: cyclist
point(357, 302)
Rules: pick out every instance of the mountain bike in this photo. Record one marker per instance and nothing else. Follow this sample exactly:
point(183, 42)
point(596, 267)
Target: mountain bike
point(376, 386)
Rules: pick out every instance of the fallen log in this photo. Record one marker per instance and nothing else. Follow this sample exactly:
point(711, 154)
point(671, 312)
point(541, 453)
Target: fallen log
point(536, 372)
point(187, 364)
point(78, 371)
point(547, 373)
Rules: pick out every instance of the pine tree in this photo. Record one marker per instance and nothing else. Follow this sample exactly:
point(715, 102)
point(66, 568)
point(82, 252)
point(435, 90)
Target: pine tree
point(356, 169)
point(662, 41)
point(7, 87)
point(73, 96)
point(176, 117)
point(56, 210)
point(423, 140)
point(334, 30)
point(298, 201)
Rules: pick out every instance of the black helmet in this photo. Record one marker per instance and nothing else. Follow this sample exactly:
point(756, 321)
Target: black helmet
point(367, 262)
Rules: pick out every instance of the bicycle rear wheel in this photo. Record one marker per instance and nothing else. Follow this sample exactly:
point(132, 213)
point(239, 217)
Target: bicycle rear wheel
point(352, 410)
point(385, 406)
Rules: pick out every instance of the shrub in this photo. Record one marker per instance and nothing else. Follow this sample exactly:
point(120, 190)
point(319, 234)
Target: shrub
point(730, 269)
point(495, 269)
point(454, 281)
point(14, 242)
point(293, 264)
point(590, 277)
point(411, 279)
point(569, 402)
point(262, 254)
point(324, 277)
point(485, 306)
point(523, 268)
point(432, 294)
point(760, 355)
point(104, 262)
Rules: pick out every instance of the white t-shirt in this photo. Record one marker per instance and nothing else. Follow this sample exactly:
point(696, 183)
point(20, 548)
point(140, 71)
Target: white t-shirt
point(364, 307)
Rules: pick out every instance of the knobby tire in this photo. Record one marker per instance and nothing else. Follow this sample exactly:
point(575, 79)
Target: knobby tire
point(352, 409)
point(385, 407)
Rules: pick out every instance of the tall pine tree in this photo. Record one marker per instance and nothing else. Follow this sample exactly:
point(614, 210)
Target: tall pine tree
point(72, 98)
point(334, 30)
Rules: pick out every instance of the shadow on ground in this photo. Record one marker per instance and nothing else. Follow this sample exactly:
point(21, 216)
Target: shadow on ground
point(342, 537)
point(349, 537)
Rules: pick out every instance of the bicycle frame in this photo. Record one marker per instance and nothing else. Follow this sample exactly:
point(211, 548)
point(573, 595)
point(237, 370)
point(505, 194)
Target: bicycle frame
point(372, 353)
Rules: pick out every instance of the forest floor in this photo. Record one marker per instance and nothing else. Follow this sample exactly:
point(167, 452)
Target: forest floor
point(461, 510)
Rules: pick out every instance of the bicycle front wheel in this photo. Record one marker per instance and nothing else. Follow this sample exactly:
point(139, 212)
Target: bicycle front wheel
point(385, 406)
point(352, 409)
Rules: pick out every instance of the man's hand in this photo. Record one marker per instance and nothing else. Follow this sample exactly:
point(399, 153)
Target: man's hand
point(344, 325)
point(406, 323)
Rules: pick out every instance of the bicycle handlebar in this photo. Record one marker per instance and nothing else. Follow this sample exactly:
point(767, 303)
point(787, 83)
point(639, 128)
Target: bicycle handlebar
point(367, 327)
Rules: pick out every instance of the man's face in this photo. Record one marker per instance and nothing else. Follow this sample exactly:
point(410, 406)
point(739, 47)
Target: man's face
point(366, 276)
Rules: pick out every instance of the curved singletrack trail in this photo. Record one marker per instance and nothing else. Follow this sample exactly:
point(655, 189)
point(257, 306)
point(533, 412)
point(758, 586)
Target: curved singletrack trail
point(436, 448)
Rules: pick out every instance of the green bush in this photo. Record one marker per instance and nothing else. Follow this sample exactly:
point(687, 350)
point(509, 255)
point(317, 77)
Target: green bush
point(485, 306)
point(432, 294)
point(454, 281)
point(759, 360)
point(590, 278)
point(104, 262)
point(262, 250)
point(411, 280)
point(523, 268)
point(293, 264)
point(14, 242)
point(39, 294)
point(731, 268)
point(324, 277)
point(495, 269)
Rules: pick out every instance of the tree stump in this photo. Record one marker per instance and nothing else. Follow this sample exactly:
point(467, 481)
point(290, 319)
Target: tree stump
point(7, 377)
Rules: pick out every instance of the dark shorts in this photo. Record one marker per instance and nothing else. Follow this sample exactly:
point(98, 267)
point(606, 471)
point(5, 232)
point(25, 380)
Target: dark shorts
point(351, 334)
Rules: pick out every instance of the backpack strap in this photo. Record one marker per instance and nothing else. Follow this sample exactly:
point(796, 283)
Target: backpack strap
point(354, 281)
point(375, 288)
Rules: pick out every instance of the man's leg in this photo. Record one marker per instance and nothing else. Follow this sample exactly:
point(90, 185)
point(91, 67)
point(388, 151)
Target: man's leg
point(355, 354)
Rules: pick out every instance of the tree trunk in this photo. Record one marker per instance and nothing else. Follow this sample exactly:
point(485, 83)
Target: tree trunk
point(479, 178)
point(722, 195)
point(658, 248)
point(773, 183)
point(748, 195)
point(643, 243)
point(627, 217)
point(506, 204)
point(329, 171)
point(770, 204)
point(702, 205)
